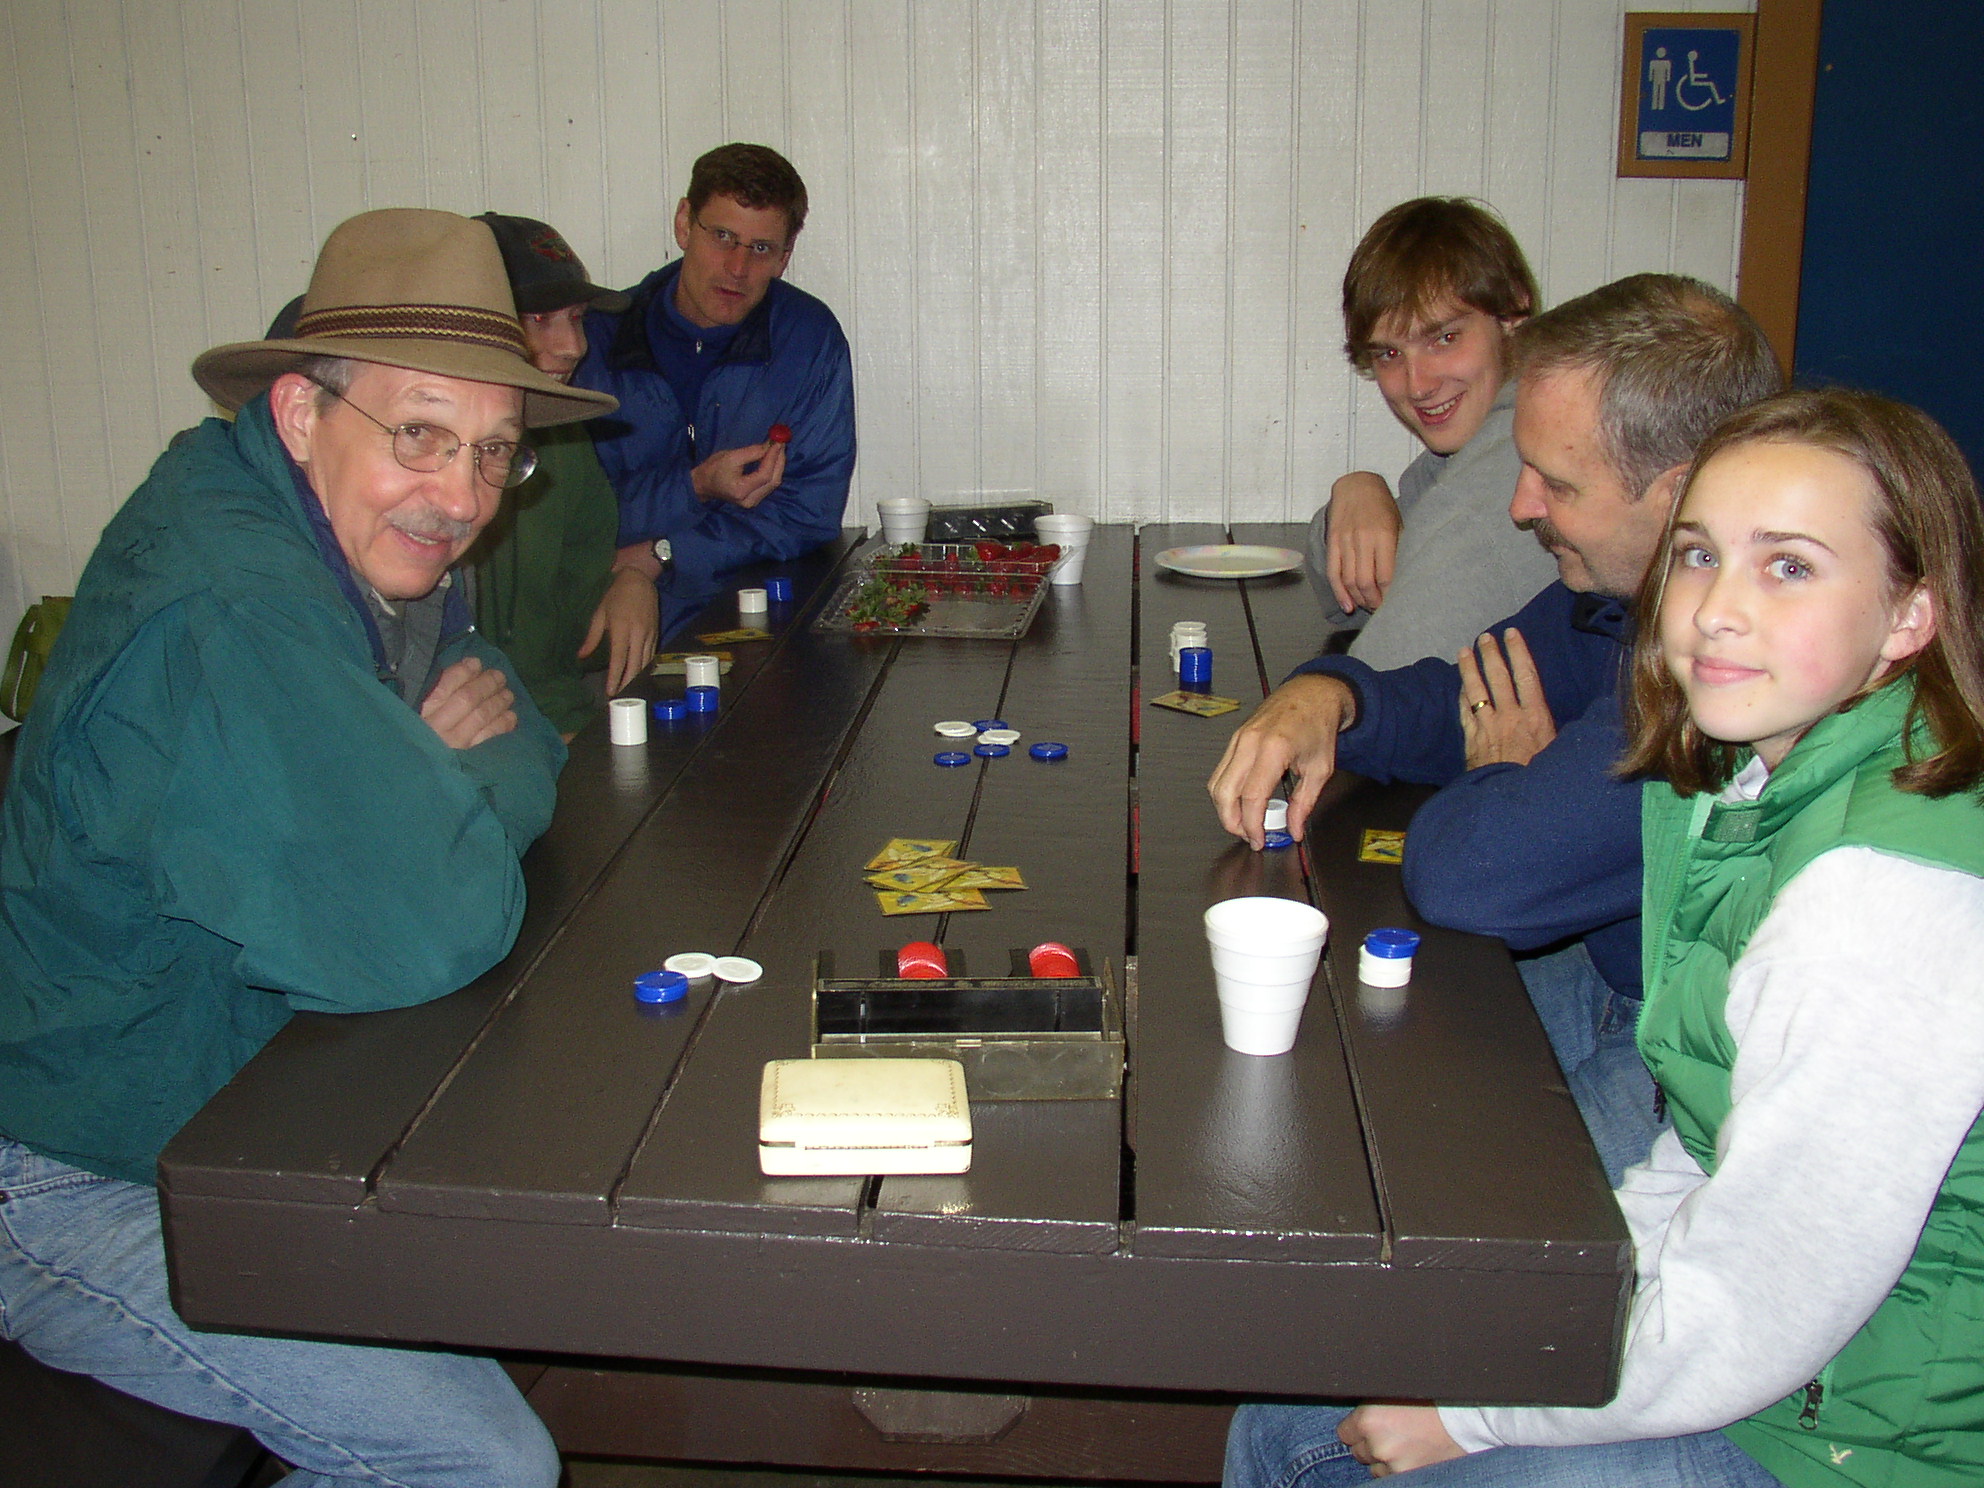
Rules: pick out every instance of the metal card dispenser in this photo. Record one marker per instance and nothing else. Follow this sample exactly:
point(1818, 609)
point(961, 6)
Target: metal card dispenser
point(1019, 1036)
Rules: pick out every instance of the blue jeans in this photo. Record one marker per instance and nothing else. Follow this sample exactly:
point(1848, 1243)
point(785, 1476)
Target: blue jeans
point(1591, 1032)
point(1296, 1446)
point(83, 1288)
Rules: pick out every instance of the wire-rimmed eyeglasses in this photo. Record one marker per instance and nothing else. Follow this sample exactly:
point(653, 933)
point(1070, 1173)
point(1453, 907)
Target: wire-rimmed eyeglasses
point(426, 448)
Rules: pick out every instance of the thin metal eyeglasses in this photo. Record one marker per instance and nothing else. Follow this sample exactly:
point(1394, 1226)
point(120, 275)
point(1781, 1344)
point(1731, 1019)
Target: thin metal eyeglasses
point(426, 448)
point(726, 240)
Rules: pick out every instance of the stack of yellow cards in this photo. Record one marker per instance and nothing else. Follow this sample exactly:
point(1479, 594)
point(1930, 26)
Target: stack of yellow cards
point(917, 876)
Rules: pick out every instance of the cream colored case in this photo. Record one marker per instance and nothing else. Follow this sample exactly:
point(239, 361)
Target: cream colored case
point(857, 1116)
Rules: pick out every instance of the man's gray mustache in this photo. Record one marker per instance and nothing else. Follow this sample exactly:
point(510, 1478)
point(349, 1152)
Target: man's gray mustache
point(430, 525)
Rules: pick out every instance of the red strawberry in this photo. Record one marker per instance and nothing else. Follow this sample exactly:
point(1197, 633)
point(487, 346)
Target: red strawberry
point(780, 434)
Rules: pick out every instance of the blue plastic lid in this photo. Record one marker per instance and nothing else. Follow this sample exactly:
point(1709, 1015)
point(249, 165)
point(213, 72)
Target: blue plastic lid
point(1049, 751)
point(703, 699)
point(668, 709)
point(1282, 839)
point(951, 758)
point(985, 723)
point(778, 590)
point(1392, 945)
point(660, 986)
point(992, 751)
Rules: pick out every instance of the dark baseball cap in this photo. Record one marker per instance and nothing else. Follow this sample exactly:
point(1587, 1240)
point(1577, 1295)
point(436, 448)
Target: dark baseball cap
point(545, 274)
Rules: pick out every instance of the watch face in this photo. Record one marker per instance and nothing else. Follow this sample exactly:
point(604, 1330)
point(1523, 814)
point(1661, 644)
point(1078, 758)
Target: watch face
point(663, 551)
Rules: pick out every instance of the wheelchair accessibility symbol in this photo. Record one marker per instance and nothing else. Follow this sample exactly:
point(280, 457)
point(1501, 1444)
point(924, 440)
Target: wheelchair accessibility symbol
point(1687, 81)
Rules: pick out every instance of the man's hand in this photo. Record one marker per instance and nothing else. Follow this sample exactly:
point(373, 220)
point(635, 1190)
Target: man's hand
point(1295, 729)
point(470, 703)
point(1396, 1438)
point(640, 558)
point(1504, 716)
point(1363, 543)
point(629, 618)
point(741, 476)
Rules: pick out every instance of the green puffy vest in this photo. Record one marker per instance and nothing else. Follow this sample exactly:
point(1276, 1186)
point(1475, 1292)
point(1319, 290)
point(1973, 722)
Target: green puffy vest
point(1903, 1403)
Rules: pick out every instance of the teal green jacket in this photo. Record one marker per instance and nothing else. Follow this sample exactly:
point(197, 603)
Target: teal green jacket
point(219, 814)
point(1902, 1405)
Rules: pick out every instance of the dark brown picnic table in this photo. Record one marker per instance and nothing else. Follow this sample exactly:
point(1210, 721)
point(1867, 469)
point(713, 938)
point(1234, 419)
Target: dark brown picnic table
point(1406, 1205)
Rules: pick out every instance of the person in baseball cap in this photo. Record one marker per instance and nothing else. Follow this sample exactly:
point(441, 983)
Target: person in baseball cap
point(271, 767)
point(549, 587)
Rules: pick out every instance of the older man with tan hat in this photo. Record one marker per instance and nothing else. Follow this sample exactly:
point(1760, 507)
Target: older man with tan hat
point(271, 767)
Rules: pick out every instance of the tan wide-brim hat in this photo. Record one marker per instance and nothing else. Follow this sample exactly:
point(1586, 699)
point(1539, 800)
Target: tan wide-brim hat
point(412, 288)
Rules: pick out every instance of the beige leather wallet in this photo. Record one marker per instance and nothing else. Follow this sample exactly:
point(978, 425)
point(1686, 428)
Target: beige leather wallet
point(855, 1116)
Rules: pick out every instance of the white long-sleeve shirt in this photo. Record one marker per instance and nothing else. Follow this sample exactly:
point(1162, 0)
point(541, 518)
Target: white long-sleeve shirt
point(1858, 1013)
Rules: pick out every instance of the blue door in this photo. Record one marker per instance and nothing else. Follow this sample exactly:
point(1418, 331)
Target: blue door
point(1892, 291)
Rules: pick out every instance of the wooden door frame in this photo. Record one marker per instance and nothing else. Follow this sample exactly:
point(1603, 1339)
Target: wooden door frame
point(1768, 270)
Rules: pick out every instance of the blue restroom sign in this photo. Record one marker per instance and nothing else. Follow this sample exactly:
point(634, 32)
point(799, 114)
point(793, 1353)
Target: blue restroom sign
point(1687, 92)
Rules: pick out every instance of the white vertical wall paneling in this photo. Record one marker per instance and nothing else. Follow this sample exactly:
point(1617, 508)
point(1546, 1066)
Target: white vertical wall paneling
point(1519, 123)
point(1089, 248)
point(511, 139)
point(389, 127)
point(276, 121)
point(754, 66)
point(945, 249)
point(1327, 151)
point(1394, 118)
point(1135, 280)
point(696, 103)
point(61, 235)
point(169, 305)
point(575, 147)
point(34, 554)
point(1263, 292)
point(881, 316)
point(1454, 101)
point(1008, 83)
point(338, 130)
point(449, 105)
point(819, 139)
point(1067, 255)
point(626, 232)
point(1583, 151)
point(111, 273)
point(1201, 213)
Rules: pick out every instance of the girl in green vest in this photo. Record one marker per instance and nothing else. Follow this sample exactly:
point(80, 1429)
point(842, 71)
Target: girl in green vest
point(1810, 1234)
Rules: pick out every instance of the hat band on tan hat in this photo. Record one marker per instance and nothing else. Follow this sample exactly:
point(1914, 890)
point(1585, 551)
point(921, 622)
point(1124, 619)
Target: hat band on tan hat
point(440, 322)
point(405, 287)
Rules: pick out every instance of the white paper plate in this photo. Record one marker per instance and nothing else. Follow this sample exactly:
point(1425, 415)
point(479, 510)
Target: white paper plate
point(1229, 561)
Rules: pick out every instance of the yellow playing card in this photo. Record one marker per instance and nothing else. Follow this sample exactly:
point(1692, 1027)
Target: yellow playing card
point(902, 851)
point(1382, 847)
point(1204, 704)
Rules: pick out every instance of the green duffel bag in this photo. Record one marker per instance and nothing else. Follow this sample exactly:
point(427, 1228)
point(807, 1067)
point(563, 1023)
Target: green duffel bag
point(34, 638)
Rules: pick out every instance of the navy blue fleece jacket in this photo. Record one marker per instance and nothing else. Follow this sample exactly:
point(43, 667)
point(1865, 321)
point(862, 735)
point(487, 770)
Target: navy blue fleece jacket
point(1533, 854)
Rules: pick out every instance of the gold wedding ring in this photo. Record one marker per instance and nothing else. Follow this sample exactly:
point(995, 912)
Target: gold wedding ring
point(1477, 707)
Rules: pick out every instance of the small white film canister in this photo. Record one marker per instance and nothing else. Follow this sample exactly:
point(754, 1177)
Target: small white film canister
point(703, 671)
point(752, 602)
point(1385, 958)
point(627, 720)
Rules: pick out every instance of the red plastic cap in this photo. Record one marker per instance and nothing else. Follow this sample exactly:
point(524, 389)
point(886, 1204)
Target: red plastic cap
point(780, 434)
point(1052, 959)
point(921, 958)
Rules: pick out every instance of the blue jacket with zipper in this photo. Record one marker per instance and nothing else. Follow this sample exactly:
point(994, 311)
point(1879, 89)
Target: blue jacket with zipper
point(789, 364)
point(1532, 854)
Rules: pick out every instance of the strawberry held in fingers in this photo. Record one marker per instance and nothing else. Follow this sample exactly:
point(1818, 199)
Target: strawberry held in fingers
point(780, 434)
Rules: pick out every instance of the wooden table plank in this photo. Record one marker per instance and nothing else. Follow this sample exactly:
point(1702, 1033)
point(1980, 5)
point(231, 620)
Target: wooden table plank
point(1235, 1156)
point(1454, 1075)
point(541, 1118)
point(698, 1167)
point(1064, 826)
point(313, 1116)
